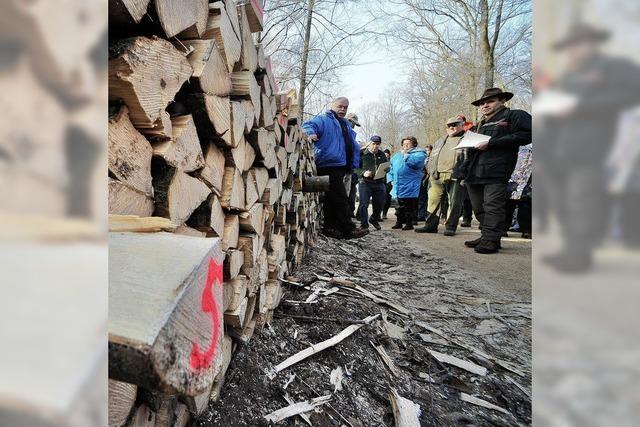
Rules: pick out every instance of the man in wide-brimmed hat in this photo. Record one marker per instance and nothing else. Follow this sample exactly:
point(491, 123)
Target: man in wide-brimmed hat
point(572, 144)
point(490, 165)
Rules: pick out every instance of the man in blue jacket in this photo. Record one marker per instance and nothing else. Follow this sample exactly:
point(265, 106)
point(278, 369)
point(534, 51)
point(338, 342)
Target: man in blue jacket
point(337, 154)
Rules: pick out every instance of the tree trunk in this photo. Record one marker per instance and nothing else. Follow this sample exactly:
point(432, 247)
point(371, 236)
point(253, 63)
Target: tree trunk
point(305, 58)
point(485, 46)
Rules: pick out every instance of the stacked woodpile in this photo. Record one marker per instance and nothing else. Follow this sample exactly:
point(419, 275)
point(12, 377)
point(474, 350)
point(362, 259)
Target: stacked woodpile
point(207, 166)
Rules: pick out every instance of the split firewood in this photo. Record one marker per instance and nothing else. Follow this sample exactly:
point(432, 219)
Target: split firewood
point(266, 119)
point(161, 130)
point(124, 200)
point(129, 153)
point(238, 121)
point(146, 73)
point(232, 189)
point(210, 72)
point(213, 171)
point(233, 264)
point(249, 114)
point(272, 192)
point(166, 414)
point(255, 14)
point(122, 397)
point(296, 409)
point(253, 220)
point(235, 291)
point(262, 61)
point(183, 150)
point(249, 55)
point(171, 274)
point(182, 415)
point(220, 28)
point(244, 84)
point(177, 194)
point(406, 412)
point(263, 142)
point(187, 19)
point(235, 318)
point(212, 115)
point(143, 417)
point(208, 217)
point(136, 224)
point(316, 348)
point(231, 232)
point(124, 12)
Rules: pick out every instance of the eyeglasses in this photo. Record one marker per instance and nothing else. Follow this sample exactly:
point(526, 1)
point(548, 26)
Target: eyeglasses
point(453, 126)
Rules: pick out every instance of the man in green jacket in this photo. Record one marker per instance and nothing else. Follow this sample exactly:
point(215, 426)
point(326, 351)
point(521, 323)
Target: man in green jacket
point(370, 188)
point(440, 171)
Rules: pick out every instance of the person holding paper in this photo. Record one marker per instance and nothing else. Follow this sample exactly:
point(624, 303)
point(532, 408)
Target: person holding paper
point(440, 168)
point(372, 173)
point(490, 164)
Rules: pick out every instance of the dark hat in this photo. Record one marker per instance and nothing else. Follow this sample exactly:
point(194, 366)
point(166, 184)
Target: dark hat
point(376, 139)
point(581, 32)
point(493, 92)
point(353, 119)
point(387, 151)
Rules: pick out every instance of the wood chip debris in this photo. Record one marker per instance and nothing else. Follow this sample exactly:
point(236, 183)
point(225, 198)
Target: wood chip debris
point(406, 412)
point(336, 379)
point(296, 409)
point(386, 359)
point(316, 348)
point(457, 362)
point(479, 402)
point(304, 416)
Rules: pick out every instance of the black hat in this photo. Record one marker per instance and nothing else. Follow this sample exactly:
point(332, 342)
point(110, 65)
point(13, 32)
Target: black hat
point(376, 139)
point(493, 92)
point(581, 32)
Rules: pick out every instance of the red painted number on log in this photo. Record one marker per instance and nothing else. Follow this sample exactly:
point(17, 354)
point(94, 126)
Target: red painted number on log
point(200, 359)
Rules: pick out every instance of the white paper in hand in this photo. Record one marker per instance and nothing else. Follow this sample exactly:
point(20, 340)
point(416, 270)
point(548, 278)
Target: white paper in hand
point(470, 140)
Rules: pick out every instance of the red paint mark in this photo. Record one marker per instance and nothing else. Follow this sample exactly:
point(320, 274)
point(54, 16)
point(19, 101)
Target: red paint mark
point(199, 359)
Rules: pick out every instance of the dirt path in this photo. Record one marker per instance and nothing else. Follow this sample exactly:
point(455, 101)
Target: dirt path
point(458, 303)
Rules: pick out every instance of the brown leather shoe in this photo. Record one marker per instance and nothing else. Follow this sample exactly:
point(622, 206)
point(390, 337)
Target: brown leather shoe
point(357, 233)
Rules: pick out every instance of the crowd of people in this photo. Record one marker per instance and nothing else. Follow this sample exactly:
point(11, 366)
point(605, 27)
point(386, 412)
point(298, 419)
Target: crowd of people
point(438, 183)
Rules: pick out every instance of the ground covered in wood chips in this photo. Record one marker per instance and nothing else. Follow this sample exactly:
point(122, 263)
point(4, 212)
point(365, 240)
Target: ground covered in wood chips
point(450, 310)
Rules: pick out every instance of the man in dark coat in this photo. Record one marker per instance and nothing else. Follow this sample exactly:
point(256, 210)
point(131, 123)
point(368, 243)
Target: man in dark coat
point(490, 165)
point(370, 188)
point(574, 143)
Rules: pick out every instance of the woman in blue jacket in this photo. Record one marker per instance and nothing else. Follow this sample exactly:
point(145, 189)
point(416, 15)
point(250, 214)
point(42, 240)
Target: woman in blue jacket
point(406, 173)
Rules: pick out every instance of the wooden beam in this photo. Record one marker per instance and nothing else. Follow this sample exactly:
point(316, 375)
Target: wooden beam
point(178, 281)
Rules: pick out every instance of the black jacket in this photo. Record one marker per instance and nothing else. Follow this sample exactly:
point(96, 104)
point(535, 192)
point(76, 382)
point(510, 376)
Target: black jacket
point(370, 162)
point(509, 130)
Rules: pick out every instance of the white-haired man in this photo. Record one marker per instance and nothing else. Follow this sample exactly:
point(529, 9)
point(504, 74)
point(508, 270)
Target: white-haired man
point(337, 154)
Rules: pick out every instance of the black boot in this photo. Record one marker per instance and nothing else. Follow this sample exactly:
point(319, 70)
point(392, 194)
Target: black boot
point(450, 232)
point(487, 247)
point(476, 242)
point(430, 225)
point(397, 225)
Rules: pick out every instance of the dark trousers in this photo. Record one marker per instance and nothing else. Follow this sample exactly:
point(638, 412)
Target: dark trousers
point(353, 192)
point(374, 192)
point(336, 209)
point(387, 201)
point(523, 215)
point(406, 211)
point(467, 210)
point(489, 206)
point(423, 199)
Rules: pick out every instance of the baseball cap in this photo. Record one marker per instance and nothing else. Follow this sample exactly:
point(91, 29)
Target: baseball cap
point(353, 118)
point(454, 119)
point(376, 139)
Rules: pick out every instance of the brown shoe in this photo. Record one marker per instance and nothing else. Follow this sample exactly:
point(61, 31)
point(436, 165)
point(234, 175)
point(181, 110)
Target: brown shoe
point(357, 233)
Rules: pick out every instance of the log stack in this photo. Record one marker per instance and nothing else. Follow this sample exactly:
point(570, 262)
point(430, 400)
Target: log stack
point(200, 136)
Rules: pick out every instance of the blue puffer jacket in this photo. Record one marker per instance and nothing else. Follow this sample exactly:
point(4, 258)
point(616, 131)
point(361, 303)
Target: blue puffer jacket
point(329, 149)
point(407, 173)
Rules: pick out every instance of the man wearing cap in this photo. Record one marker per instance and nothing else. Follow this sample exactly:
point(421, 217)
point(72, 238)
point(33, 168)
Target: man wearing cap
point(440, 172)
point(371, 189)
point(490, 165)
point(352, 188)
point(337, 154)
